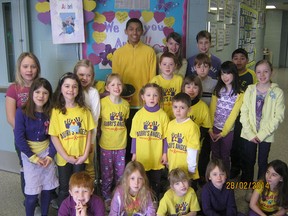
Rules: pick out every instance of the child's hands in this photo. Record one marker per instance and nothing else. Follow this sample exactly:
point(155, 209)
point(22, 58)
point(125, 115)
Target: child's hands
point(45, 161)
point(215, 137)
point(81, 159)
point(81, 210)
point(71, 159)
point(255, 140)
point(133, 157)
point(164, 159)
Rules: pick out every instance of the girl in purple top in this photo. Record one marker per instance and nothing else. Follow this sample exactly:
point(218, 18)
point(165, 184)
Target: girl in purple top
point(37, 151)
point(27, 70)
point(225, 106)
point(133, 196)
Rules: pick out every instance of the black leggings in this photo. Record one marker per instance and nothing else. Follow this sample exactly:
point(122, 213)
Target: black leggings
point(65, 172)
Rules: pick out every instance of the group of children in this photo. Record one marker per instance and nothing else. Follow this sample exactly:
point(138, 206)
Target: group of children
point(178, 136)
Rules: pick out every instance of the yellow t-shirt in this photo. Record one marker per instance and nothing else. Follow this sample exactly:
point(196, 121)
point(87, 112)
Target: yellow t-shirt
point(269, 203)
point(113, 128)
point(71, 129)
point(149, 129)
point(170, 89)
point(200, 114)
point(181, 136)
point(171, 204)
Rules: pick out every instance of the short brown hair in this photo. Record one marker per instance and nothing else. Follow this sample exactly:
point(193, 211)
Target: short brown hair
point(168, 55)
point(177, 175)
point(203, 34)
point(81, 179)
point(182, 97)
point(212, 164)
point(193, 79)
point(202, 58)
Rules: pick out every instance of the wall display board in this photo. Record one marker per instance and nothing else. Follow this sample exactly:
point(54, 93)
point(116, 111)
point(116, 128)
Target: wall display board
point(220, 37)
point(213, 6)
point(247, 31)
point(106, 33)
point(67, 21)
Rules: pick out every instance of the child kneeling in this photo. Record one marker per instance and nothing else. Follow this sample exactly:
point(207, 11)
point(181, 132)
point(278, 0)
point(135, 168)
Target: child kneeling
point(81, 200)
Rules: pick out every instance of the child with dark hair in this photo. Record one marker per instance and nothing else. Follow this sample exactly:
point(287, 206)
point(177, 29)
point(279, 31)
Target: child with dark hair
point(216, 197)
point(270, 196)
point(224, 109)
point(246, 77)
point(183, 138)
point(70, 129)
point(174, 45)
point(199, 113)
point(37, 150)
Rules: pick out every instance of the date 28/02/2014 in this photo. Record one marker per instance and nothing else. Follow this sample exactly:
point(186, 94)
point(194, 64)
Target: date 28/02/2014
point(246, 185)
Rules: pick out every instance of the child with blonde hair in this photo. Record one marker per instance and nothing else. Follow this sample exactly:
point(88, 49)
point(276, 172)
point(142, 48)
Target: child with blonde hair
point(133, 196)
point(27, 70)
point(113, 140)
point(84, 69)
point(261, 113)
point(180, 199)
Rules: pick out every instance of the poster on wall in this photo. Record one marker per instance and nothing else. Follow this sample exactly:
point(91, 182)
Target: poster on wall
point(107, 32)
point(220, 37)
point(212, 28)
point(67, 21)
point(247, 31)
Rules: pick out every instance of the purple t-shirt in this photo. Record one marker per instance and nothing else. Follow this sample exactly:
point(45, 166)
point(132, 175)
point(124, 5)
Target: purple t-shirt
point(260, 97)
point(18, 93)
point(95, 207)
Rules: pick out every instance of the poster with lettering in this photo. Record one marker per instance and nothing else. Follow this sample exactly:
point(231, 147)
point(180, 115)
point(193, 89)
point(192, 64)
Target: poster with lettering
point(107, 32)
point(247, 31)
point(67, 21)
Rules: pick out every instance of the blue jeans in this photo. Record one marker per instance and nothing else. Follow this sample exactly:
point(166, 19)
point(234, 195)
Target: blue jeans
point(249, 159)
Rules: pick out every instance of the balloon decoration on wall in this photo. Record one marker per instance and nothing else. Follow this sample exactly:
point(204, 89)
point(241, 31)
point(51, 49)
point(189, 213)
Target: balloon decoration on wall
point(43, 9)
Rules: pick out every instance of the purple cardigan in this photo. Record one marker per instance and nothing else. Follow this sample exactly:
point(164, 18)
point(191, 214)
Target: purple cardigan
point(33, 130)
point(217, 202)
point(95, 207)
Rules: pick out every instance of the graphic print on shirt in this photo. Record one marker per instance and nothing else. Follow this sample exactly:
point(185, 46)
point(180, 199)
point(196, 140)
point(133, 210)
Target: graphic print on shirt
point(176, 144)
point(73, 126)
point(169, 93)
point(23, 97)
point(116, 120)
point(181, 208)
point(150, 131)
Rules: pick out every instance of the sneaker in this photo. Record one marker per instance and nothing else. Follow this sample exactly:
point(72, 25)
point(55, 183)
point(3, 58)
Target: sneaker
point(107, 204)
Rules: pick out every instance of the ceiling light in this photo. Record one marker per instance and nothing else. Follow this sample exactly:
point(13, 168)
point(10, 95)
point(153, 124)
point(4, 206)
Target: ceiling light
point(270, 7)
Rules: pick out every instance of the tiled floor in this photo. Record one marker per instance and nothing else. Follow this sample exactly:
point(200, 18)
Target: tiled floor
point(12, 199)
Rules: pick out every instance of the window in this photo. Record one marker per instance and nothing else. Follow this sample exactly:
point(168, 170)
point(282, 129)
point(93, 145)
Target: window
point(13, 30)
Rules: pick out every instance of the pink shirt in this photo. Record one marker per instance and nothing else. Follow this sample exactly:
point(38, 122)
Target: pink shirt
point(19, 94)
